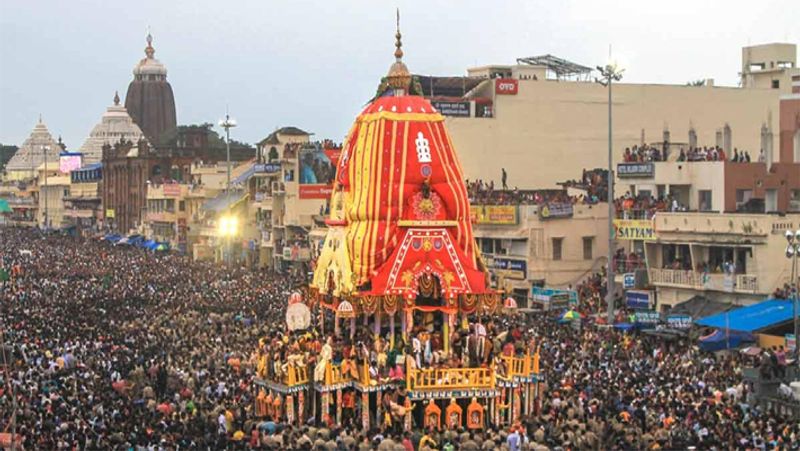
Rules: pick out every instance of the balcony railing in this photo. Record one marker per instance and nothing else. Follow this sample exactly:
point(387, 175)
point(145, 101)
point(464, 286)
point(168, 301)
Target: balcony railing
point(747, 283)
point(450, 379)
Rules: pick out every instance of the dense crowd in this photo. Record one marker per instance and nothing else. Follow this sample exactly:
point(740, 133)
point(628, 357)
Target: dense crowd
point(116, 348)
point(592, 187)
point(645, 206)
point(646, 153)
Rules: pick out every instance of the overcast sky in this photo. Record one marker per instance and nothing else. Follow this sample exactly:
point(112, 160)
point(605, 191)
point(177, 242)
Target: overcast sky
point(313, 64)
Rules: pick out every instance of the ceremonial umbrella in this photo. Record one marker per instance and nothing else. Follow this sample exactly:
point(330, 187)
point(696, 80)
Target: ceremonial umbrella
point(570, 315)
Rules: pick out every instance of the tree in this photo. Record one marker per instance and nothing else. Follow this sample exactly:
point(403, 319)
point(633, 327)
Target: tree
point(696, 83)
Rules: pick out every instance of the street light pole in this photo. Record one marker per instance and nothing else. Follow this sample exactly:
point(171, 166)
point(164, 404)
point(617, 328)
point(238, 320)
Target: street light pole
point(228, 123)
point(792, 251)
point(609, 74)
point(45, 149)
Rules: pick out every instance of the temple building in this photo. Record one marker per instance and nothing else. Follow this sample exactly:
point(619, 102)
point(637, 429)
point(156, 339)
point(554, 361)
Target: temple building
point(114, 126)
point(39, 146)
point(149, 100)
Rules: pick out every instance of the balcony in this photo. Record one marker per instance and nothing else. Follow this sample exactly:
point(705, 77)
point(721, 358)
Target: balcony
point(162, 216)
point(679, 278)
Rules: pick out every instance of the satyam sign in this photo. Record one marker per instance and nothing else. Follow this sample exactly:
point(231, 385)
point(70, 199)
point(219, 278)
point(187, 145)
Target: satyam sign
point(634, 229)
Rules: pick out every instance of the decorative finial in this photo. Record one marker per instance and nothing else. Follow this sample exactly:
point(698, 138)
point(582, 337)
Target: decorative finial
point(398, 78)
point(149, 50)
point(398, 52)
point(116, 98)
point(40, 118)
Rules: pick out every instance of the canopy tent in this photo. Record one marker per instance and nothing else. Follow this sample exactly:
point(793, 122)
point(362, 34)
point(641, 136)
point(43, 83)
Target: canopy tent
point(150, 244)
point(162, 247)
point(753, 317)
point(720, 339)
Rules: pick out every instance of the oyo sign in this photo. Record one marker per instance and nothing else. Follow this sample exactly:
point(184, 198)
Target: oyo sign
point(506, 86)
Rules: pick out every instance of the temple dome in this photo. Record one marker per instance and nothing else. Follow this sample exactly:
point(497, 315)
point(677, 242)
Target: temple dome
point(30, 155)
point(115, 125)
point(149, 100)
point(149, 65)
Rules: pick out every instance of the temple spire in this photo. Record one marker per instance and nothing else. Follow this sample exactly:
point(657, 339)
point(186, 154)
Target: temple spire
point(116, 98)
point(149, 50)
point(398, 78)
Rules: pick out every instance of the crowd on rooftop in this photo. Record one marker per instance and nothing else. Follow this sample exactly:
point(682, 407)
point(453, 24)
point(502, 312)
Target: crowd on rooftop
point(121, 348)
point(593, 187)
point(647, 153)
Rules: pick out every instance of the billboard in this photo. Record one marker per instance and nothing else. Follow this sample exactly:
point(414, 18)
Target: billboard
point(506, 86)
point(552, 298)
point(552, 210)
point(69, 161)
point(494, 214)
point(317, 171)
point(637, 299)
point(172, 190)
point(634, 229)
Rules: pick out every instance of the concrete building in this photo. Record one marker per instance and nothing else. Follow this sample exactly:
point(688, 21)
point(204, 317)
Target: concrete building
point(735, 259)
point(769, 66)
point(553, 244)
point(83, 206)
point(53, 189)
point(114, 125)
point(26, 161)
point(542, 118)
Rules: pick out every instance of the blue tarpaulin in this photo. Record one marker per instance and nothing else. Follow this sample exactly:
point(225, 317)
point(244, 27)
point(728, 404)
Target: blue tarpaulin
point(150, 244)
point(720, 339)
point(113, 237)
point(753, 317)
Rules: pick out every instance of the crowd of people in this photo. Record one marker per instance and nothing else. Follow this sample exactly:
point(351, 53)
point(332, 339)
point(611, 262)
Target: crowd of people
point(645, 206)
point(593, 187)
point(647, 153)
point(121, 348)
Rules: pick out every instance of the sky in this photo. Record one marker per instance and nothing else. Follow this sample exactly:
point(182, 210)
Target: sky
point(314, 64)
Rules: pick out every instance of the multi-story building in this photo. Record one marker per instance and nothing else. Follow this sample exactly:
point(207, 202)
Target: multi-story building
point(552, 244)
point(53, 190)
point(83, 206)
point(128, 167)
point(731, 258)
point(544, 116)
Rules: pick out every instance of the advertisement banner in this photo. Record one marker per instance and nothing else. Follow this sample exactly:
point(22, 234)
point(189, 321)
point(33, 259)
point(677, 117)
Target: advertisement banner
point(457, 109)
point(553, 298)
point(317, 171)
point(506, 86)
point(646, 317)
point(172, 190)
point(634, 229)
point(555, 210)
point(637, 299)
point(634, 170)
point(678, 321)
point(69, 161)
point(791, 342)
point(511, 268)
point(494, 214)
point(110, 212)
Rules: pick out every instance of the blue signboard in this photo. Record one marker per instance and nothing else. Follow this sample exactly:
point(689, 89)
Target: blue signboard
point(679, 321)
point(628, 280)
point(268, 168)
point(646, 317)
point(637, 299)
point(515, 269)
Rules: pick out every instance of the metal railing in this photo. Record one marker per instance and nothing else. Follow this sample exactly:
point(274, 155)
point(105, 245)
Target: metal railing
point(704, 281)
point(450, 378)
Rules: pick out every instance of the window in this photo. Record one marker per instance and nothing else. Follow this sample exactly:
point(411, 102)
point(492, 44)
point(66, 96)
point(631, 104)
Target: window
point(771, 200)
point(182, 205)
point(557, 242)
point(588, 241)
point(776, 84)
point(66, 192)
point(743, 196)
point(794, 200)
point(704, 200)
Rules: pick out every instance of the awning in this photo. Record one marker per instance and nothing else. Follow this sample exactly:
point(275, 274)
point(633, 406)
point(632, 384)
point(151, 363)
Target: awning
point(753, 317)
point(700, 307)
point(224, 201)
